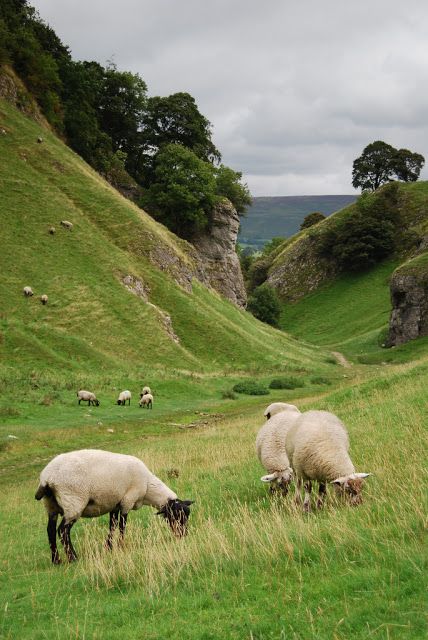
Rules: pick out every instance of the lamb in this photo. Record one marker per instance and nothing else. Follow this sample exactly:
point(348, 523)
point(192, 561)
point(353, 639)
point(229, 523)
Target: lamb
point(277, 407)
point(271, 451)
point(123, 397)
point(317, 445)
point(44, 299)
point(146, 401)
point(28, 292)
point(89, 483)
point(66, 224)
point(89, 397)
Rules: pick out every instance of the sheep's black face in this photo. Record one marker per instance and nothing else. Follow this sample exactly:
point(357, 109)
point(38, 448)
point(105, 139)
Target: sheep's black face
point(177, 513)
point(119, 402)
point(97, 403)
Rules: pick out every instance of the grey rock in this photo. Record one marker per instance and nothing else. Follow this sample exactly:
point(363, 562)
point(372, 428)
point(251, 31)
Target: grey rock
point(409, 316)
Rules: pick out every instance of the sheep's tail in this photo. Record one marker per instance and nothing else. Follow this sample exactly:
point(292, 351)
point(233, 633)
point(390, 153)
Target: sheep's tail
point(42, 491)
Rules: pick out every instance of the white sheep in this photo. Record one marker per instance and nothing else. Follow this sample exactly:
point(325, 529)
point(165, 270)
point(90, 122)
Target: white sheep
point(52, 230)
point(146, 401)
point(144, 391)
point(88, 397)
point(44, 299)
point(28, 292)
point(277, 407)
point(123, 397)
point(271, 450)
point(67, 224)
point(317, 446)
point(90, 483)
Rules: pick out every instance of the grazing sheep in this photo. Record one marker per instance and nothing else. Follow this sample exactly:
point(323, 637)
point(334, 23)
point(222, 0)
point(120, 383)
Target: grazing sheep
point(90, 483)
point(28, 292)
point(146, 401)
point(89, 397)
point(277, 407)
point(144, 391)
point(271, 450)
point(123, 397)
point(66, 224)
point(317, 446)
point(44, 299)
point(52, 230)
point(40, 140)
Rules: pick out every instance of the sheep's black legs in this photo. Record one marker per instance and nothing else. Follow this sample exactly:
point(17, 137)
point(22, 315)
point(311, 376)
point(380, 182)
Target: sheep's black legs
point(307, 499)
point(64, 535)
point(122, 525)
point(52, 538)
point(113, 525)
point(322, 490)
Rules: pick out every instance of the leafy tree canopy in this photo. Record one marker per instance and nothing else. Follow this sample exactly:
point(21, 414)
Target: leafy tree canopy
point(265, 305)
point(229, 184)
point(311, 219)
point(380, 162)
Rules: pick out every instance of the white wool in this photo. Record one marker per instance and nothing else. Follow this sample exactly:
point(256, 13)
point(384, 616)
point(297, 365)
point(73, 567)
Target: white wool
point(277, 407)
point(270, 441)
point(89, 483)
point(86, 395)
point(124, 395)
point(146, 399)
point(28, 291)
point(146, 390)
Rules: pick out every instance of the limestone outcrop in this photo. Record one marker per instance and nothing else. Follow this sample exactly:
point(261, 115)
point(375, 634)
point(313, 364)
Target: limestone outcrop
point(219, 265)
point(409, 297)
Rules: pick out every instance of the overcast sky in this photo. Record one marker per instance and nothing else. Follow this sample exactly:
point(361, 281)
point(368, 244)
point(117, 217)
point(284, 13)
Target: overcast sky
point(294, 89)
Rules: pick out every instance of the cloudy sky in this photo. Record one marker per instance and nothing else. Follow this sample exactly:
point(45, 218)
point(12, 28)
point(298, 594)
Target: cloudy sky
point(294, 89)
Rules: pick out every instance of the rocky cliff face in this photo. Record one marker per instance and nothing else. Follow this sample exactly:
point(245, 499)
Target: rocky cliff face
point(219, 265)
point(409, 297)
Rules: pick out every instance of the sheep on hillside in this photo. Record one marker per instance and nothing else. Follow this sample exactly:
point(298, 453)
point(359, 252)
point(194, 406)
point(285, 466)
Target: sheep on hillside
point(271, 450)
point(66, 224)
point(123, 397)
point(277, 407)
point(44, 299)
point(146, 401)
point(90, 483)
point(52, 230)
point(28, 292)
point(88, 397)
point(144, 391)
point(317, 446)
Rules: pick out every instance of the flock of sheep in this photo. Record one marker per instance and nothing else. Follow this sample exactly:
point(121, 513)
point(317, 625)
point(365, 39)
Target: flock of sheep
point(146, 398)
point(310, 446)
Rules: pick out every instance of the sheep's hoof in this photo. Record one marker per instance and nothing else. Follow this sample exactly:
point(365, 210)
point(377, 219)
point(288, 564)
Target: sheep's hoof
point(56, 560)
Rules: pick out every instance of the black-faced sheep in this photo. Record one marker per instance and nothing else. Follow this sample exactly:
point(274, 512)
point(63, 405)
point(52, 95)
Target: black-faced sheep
point(88, 396)
point(28, 292)
point(123, 397)
point(90, 483)
point(66, 224)
point(44, 299)
point(146, 401)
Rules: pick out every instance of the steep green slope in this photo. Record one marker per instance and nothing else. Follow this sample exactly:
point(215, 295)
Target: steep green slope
point(92, 322)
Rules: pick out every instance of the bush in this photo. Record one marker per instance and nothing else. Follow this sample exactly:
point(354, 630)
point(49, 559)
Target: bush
point(286, 383)
point(320, 380)
point(311, 219)
point(264, 305)
point(228, 395)
point(251, 388)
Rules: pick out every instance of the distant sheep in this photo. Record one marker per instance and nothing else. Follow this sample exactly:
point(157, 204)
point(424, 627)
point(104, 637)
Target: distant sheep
point(123, 397)
point(52, 230)
point(318, 446)
point(66, 224)
point(39, 140)
point(90, 483)
point(88, 396)
point(44, 299)
point(277, 407)
point(271, 449)
point(144, 391)
point(28, 292)
point(146, 401)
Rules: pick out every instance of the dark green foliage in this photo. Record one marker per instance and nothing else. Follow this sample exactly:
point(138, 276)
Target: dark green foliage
point(320, 380)
point(183, 190)
point(272, 246)
point(230, 186)
point(228, 395)
point(380, 162)
point(265, 305)
point(257, 273)
point(251, 388)
point(367, 236)
point(311, 219)
point(286, 383)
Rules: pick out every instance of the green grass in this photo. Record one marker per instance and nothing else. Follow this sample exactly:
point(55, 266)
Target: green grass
point(252, 566)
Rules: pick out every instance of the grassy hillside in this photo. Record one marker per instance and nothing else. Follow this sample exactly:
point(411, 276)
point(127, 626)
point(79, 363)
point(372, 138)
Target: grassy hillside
point(270, 217)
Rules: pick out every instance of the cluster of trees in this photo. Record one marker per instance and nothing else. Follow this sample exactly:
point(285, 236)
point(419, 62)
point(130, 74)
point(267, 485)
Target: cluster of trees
point(106, 116)
point(380, 163)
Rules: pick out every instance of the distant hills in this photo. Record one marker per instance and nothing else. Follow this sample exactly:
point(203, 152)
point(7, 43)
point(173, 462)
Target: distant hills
point(269, 217)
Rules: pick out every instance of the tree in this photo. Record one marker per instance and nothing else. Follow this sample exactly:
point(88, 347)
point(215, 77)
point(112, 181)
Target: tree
point(407, 165)
point(311, 219)
point(229, 185)
point(183, 190)
point(264, 304)
point(374, 167)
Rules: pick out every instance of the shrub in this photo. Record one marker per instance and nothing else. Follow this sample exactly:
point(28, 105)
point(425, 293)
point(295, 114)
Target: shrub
point(228, 395)
point(264, 305)
point(286, 383)
point(311, 219)
point(251, 388)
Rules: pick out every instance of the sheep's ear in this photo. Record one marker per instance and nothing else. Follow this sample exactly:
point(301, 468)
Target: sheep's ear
point(354, 476)
point(269, 478)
